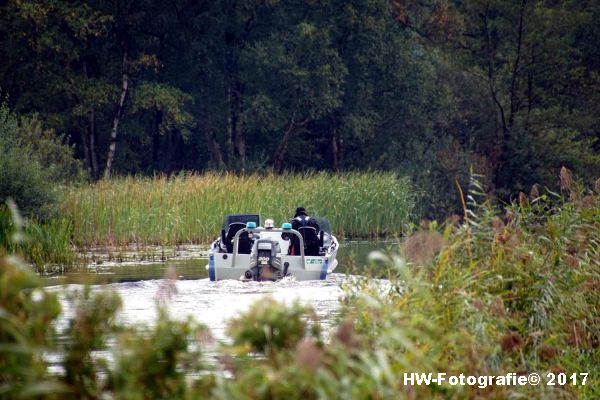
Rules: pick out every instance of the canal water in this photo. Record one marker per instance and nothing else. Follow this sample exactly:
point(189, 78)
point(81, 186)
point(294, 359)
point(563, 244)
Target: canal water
point(141, 281)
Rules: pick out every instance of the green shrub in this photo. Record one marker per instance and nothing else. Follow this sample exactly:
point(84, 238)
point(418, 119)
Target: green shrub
point(93, 321)
point(270, 326)
point(34, 162)
point(503, 293)
point(149, 364)
point(154, 364)
point(25, 181)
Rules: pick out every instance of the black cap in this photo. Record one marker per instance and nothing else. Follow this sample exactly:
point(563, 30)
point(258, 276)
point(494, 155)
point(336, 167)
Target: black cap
point(300, 211)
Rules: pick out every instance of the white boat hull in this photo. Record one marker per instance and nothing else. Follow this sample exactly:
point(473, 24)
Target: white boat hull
point(315, 268)
point(222, 265)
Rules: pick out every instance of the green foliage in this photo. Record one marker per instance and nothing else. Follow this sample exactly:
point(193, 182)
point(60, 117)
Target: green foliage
point(48, 245)
point(554, 149)
point(154, 365)
point(269, 326)
point(499, 294)
point(26, 311)
point(541, 87)
point(513, 293)
point(167, 101)
point(148, 364)
point(94, 319)
point(301, 76)
point(33, 162)
point(52, 151)
point(22, 177)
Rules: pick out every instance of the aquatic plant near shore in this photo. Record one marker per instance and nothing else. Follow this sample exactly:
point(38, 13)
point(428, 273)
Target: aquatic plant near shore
point(45, 245)
point(190, 208)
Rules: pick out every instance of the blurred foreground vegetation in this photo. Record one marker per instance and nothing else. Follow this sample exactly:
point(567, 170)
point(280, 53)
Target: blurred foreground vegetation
point(517, 291)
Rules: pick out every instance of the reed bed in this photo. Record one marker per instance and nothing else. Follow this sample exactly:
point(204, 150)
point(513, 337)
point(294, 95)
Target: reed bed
point(189, 208)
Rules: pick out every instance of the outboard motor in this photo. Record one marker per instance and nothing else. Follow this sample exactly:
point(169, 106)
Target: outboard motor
point(264, 263)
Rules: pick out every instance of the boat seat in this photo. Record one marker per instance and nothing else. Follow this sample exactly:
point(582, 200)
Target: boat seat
point(312, 243)
point(244, 243)
point(311, 240)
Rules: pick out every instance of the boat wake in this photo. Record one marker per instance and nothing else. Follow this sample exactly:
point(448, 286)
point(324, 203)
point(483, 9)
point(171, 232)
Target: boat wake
point(211, 303)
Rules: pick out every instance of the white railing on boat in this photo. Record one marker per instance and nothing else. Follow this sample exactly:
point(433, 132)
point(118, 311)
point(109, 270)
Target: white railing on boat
point(236, 239)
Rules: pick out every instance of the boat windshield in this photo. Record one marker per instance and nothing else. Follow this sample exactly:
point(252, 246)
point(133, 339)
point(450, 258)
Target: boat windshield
point(230, 219)
point(323, 224)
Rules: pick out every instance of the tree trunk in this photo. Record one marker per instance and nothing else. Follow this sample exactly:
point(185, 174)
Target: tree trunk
point(335, 145)
point(240, 137)
point(117, 118)
point(230, 126)
point(514, 84)
point(216, 155)
point(85, 134)
point(240, 146)
point(491, 75)
point(281, 149)
point(237, 139)
point(491, 72)
point(93, 152)
point(156, 139)
point(89, 138)
point(335, 151)
point(501, 175)
point(89, 146)
point(529, 90)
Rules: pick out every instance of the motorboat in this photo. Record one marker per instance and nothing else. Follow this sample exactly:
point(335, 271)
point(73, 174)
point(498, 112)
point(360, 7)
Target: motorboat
point(248, 251)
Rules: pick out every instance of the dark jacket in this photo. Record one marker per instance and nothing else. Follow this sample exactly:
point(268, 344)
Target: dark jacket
point(304, 220)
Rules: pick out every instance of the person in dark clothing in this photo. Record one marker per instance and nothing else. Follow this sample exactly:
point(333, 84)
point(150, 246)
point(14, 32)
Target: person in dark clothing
point(301, 218)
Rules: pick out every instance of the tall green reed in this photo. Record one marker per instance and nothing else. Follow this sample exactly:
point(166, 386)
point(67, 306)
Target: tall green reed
point(190, 207)
point(46, 245)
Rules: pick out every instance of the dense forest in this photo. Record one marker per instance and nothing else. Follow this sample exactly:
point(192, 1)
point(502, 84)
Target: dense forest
point(466, 130)
point(430, 89)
